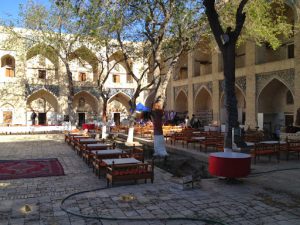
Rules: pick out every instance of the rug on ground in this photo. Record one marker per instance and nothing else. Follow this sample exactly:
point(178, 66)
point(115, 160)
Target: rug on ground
point(30, 168)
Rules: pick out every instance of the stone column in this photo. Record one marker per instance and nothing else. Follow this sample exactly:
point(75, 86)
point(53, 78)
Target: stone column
point(250, 85)
point(191, 69)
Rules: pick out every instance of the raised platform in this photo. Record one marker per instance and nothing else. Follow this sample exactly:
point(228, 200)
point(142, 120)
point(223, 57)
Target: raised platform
point(32, 129)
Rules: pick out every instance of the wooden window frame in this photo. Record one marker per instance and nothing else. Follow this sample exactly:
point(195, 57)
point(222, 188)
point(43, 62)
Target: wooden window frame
point(82, 76)
point(42, 74)
point(116, 78)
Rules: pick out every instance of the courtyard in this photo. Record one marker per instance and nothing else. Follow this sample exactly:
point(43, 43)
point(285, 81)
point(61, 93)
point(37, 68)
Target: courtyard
point(262, 198)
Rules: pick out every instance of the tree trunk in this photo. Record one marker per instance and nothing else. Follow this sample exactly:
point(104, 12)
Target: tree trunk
point(131, 118)
point(71, 95)
point(104, 119)
point(230, 100)
point(157, 114)
point(159, 141)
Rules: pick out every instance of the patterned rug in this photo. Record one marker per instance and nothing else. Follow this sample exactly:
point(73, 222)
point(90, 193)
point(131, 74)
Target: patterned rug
point(29, 168)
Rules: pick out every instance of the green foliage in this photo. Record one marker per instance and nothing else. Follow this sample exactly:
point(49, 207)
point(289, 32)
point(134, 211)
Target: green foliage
point(266, 21)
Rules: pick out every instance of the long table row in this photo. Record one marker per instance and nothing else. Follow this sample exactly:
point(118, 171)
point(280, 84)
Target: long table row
point(115, 164)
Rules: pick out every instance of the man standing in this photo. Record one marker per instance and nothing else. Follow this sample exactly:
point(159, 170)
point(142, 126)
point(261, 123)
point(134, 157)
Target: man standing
point(33, 116)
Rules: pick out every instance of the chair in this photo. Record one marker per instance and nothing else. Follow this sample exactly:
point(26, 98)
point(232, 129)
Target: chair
point(267, 150)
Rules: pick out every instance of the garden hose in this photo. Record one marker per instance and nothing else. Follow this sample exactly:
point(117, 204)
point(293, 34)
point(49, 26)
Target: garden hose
point(207, 221)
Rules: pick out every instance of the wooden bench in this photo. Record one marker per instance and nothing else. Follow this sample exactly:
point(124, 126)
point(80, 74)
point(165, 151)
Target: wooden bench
point(265, 149)
point(128, 172)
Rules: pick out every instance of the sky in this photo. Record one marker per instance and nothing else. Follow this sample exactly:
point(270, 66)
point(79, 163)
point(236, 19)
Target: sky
point(11, 7)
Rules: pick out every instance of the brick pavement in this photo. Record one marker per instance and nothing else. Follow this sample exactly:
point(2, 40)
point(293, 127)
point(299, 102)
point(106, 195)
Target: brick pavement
point(253, 202)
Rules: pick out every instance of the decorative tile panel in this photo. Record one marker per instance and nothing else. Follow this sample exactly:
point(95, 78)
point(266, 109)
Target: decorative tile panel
point(91, 90)
point(240, 82)
point(183, 88)
point(287, 77)
point(31, 88)
point(197, 87)
point(127, 91)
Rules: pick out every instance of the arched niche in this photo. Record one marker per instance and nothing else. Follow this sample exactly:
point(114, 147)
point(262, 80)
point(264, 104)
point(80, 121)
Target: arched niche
point(118, 107)
point(42, 101)
point(203, 101)
point(120, 98)
point(85, 102)
point(8, 64)
point(86, 56)
point(42, 57)
point(276, 103)
point(45, 105)
point(181, 102)
point(241, 107)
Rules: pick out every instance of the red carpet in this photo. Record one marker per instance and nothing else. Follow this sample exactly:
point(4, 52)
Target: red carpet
point(29, 168)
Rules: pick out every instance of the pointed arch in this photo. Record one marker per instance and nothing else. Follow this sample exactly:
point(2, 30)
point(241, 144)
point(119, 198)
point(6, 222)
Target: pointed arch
point(119, 57)
point(44, 50)
point(7, 106)
point(122, 98)
point(8, 60)
point(181, 102)
point(203, 100)
point(270, 101)
point(273, 105)
point(42, 101)
point(85, 102)
point(87, 55)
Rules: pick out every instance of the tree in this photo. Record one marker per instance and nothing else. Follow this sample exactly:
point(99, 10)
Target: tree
point(263, 25)
point(170, 29)
point(110, 26)
point(57, 29)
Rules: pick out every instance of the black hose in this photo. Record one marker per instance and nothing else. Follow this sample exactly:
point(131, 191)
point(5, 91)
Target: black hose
point(272, 171)
point(208, 221)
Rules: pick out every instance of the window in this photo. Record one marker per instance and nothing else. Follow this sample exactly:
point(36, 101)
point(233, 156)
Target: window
point(290, 49)
point(9, 72)
point(42, 74)
point(183, 73)
point(116, 78)
point(129, 78)
point(289, 98)
point(9, 61)
point(82, 76)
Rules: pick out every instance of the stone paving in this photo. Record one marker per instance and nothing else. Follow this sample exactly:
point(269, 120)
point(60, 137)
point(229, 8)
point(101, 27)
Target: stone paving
point(255, 201)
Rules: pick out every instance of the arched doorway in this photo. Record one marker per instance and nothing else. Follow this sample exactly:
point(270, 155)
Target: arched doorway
point(118, 107)
point(275, 106)
point(45, 105)
point(241, 107)
point(181, 102)
point(181, 107)
point(86, 107)
point(203, 107)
